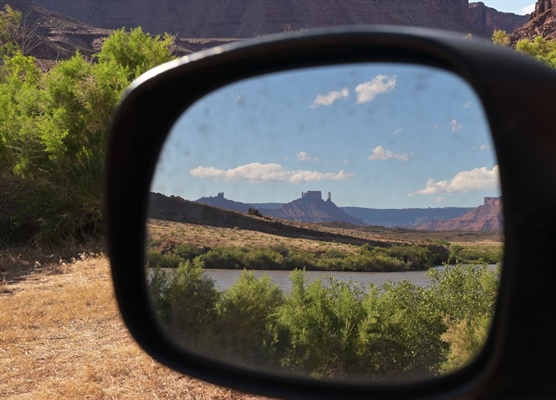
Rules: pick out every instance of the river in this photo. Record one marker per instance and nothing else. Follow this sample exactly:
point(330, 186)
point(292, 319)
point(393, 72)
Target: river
point(225, 278)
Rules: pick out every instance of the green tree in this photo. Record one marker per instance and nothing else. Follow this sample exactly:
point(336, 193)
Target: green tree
point(246, 314)
point(318, 327)
point(186, 302)
point(464, 295)
point(136, 52)
point(10, 21)
point(401, 335)
point(540, 48)
point(500, 38)
point(53, 130)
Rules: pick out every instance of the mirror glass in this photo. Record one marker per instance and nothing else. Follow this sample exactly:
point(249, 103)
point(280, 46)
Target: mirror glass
point(340, 222)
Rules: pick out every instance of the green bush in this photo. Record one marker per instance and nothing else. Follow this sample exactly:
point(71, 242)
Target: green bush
point(395, 258)
point(246, 315)
point(186, 301)
point(53, 129)
point(156, 259)
point(316, 331)
point(330, 328)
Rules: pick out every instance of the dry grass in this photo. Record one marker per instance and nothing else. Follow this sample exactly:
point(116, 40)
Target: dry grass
point(61, 336)
point(167, 233)
point(202, 235)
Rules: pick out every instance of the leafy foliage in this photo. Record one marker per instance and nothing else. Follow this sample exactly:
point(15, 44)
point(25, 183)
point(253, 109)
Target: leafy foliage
point(540, 48)
point(329, 328)
point(10, 21)
point(53, 129)
point(367, 258)
point(186, 301)
point(501, 38)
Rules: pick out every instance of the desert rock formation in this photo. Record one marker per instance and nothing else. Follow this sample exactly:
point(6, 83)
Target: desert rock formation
point(250, 18)
point(485, 20)
point(542, 23)
point(487, 217)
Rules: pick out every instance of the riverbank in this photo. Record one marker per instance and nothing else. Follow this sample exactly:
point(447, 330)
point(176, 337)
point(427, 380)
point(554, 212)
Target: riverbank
point(363, 249)
point(61, 337)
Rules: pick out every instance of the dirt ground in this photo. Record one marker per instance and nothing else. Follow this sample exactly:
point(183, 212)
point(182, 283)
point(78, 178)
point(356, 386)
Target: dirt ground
point(61, 337)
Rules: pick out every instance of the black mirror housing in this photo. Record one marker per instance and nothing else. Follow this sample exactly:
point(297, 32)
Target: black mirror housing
point(518, 95)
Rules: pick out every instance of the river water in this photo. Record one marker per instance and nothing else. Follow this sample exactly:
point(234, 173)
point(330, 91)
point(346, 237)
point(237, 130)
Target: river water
point(225, 278)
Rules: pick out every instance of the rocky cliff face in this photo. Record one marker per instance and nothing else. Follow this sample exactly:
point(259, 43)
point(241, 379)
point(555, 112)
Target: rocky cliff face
point(542, 23)
point(485, 20)
point(487, 217)
point(312, 208)
point(62, 26)
point(52, 35)
point(249, 18)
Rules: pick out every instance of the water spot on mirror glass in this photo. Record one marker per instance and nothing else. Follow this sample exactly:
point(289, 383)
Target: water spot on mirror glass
point(338, 222)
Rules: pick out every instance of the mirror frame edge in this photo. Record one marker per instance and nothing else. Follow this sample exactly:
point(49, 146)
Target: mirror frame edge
point(136, 138)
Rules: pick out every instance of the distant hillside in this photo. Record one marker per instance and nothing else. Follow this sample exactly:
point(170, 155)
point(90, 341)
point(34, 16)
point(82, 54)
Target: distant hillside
point(312, 208)
point(251, 18)
point(309, 208)
point(407, 217)
point(56, 35)
point(221, 202)
point(58, 28)
point(487, 217)
point(180, 210)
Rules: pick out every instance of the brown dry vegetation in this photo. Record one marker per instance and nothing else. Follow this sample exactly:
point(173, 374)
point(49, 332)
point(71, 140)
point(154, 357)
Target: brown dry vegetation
point(61, 336)
point(166, 234)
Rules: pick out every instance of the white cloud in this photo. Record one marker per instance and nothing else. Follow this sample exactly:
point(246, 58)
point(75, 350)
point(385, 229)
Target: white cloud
point(465, 181)
point(467, 105)
point(304, 156)
point(367, 91)
point(329, 98)
point(397, 131)
point(379, 153)
point(528, 9)
point(259, 173)
point(456, 126)
point(484, 147)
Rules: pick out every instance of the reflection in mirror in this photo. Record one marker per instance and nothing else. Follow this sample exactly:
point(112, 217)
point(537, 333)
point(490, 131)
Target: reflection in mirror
point(338, 222)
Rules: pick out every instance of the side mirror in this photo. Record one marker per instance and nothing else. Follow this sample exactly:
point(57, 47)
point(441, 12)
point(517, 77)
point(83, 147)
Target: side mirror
point(250, 117)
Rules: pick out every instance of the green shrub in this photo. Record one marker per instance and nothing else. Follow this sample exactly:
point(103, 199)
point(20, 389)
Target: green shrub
point(246, 314)
point(186, 301)
point(188, 252)
point(156, 259)
point(317, 325)
point(53, 129)
point(330, 328)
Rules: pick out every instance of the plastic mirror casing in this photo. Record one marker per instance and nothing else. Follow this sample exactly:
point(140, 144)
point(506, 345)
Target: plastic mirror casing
point(519, 98)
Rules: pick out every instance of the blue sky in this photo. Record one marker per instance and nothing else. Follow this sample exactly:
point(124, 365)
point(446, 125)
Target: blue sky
point(374, 135)
point(516, 6)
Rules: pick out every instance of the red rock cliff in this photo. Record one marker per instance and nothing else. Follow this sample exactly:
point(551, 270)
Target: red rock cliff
point(248, 18)
point(485, 20)
point(487, 217)
point(542, 23)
